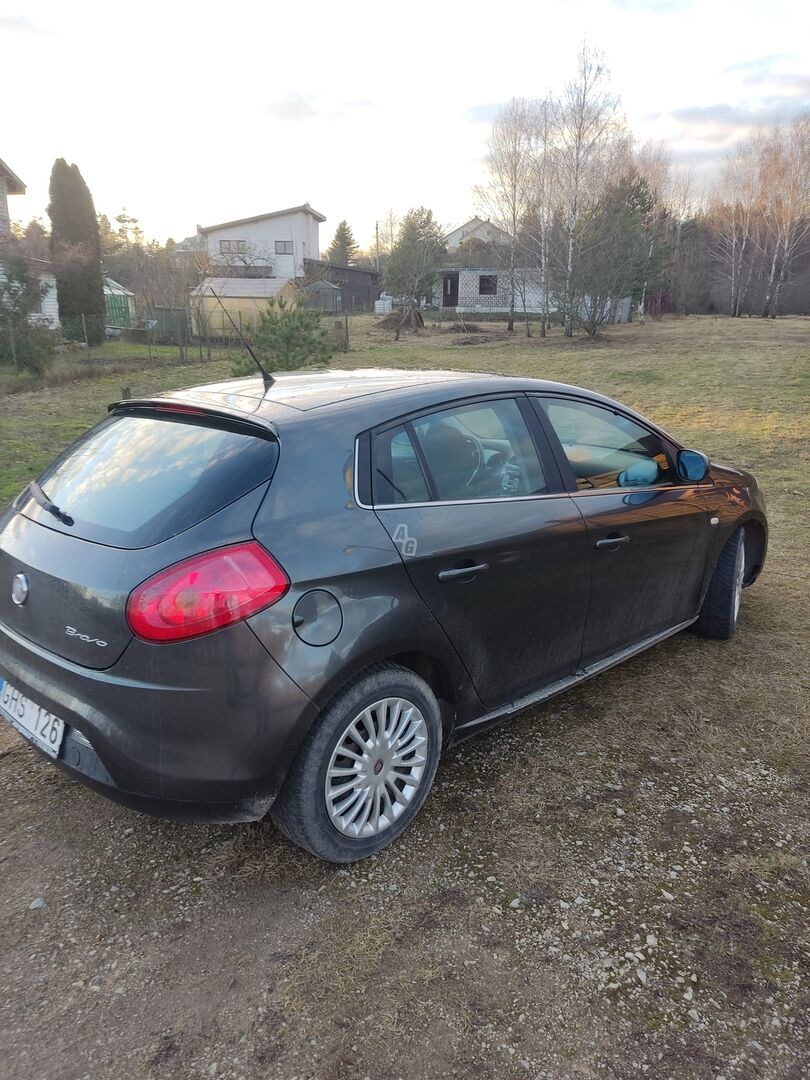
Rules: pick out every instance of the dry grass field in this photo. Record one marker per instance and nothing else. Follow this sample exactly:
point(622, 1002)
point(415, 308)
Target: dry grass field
point(613, 885)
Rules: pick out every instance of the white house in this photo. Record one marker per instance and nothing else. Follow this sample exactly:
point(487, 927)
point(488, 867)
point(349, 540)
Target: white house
point(482, 289)
point(10, 184)
point(476, 230)
point(267, 245)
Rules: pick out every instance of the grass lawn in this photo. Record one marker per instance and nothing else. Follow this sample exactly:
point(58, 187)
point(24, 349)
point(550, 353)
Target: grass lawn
point(615, 883)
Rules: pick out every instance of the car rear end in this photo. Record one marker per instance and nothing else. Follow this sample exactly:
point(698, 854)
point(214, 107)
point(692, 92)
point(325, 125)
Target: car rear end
point(126, 579)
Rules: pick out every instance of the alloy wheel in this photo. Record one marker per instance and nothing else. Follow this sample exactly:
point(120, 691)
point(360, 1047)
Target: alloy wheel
point(376, 767)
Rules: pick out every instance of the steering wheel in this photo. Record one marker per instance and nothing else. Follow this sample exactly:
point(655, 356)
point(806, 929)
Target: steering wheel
point(477, 456)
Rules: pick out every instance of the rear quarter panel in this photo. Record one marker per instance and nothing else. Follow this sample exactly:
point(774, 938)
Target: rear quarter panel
point(310, 522)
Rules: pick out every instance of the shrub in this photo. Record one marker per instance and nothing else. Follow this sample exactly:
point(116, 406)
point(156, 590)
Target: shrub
point(289, 336)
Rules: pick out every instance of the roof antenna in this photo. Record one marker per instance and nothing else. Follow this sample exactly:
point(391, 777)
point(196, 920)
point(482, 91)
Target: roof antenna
point(267, 378)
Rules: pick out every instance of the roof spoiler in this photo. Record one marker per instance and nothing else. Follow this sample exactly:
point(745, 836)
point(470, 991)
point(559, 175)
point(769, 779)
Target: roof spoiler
point(193, 407)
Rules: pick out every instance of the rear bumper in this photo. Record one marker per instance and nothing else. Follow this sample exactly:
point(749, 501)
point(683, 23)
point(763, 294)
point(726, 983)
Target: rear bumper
point(209, 734)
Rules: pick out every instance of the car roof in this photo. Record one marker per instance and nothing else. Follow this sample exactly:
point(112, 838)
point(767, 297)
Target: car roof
point(371, 395)
point(307, 390)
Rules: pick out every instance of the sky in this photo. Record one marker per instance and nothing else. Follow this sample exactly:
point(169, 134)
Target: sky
point(196, 113)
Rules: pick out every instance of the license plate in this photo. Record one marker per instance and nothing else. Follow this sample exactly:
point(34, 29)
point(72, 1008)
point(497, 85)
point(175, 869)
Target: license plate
point(31, 720)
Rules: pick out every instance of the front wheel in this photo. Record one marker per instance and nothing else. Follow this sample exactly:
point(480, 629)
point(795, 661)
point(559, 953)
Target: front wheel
point(721, 607)
point(364, 769)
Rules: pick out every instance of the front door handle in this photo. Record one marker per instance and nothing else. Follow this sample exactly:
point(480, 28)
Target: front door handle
point(462, 572)
point(612, 542)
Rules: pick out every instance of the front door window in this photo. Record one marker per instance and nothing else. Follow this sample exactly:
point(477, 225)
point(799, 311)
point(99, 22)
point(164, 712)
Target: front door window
point(606, 449)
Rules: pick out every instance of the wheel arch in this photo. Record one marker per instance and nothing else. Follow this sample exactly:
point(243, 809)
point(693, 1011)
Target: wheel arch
point(756, 544)
point(441, 669)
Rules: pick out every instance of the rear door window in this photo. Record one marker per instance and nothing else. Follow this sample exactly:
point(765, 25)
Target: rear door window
point(398, 474)
point(137, 480)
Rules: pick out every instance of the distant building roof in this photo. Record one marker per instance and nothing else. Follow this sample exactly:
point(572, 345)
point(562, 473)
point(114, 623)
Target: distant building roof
point(324, 264)
point(305, 208)
point(473, 225)
point(14, 184)
point(240, 288)
point(113, 288)
point(190, 243)
point(474, 222)
point(321, 285)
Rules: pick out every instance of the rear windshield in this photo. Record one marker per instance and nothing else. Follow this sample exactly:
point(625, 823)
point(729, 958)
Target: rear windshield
point(137, 480)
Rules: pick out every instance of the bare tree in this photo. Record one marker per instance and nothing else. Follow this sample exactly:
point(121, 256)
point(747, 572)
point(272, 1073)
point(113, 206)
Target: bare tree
point(249, 257)
point(785, 201)
point(652, 163)
point(735, 208)
point(544, 190)
point(586, 125)
point(507, 195)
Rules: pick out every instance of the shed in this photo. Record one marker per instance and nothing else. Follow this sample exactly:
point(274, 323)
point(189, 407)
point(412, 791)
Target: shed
point(243, 300)
point(119, 303)
point(323, 296)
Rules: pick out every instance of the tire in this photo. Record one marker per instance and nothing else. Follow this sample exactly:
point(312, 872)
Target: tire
point(721, 606)
point(396, 715)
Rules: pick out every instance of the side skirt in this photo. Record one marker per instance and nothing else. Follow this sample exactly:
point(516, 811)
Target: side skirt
point(490, 719)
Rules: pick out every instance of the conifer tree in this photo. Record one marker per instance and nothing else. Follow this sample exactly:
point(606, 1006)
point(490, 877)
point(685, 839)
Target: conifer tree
point(76, 252)
point(343, 249)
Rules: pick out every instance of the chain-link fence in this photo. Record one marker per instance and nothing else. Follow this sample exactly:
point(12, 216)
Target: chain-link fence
point(156, 333)
point(27, 348)
point(30, 348)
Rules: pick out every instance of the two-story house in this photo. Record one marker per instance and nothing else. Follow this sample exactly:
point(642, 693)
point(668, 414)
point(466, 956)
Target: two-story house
point(267, 245)
point(250, 261)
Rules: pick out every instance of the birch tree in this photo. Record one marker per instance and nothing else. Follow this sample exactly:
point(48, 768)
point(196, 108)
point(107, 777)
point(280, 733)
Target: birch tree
point(734, 208)
point(785, 173)
point(507, 195)
point(585, 122)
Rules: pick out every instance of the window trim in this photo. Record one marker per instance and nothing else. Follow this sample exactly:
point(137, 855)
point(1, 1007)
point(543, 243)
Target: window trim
point(363, 454)
point(233, 250)
point(570, 480)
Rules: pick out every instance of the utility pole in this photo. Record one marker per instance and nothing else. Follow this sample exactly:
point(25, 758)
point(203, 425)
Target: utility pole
point(377, 234)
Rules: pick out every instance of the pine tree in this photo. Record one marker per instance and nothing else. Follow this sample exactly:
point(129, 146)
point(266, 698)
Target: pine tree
point(76, 252)
point(344, 248)
point(289, 336)
point(415, 257)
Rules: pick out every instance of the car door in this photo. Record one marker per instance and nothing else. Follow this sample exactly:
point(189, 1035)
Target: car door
point(648, 532)
point(471, 495)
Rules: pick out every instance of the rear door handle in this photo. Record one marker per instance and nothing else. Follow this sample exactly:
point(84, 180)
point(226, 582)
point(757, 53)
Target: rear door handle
point(462, 572)
point(611, 542)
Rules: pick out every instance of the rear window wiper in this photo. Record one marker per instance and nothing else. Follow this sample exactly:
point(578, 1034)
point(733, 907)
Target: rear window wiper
point(40, 497)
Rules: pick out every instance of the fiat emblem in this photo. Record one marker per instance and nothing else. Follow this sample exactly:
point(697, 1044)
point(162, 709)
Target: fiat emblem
point(19, 589)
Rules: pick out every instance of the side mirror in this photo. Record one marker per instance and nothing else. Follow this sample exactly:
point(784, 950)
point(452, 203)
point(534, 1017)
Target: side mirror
point(640, 474)
point(692, 466)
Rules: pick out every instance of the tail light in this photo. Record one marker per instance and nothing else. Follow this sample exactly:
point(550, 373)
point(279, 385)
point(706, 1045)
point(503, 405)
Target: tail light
point(205, 593)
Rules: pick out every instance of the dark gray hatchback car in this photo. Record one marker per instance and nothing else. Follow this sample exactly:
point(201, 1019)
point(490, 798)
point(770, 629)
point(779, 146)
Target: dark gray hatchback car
point(231, 600)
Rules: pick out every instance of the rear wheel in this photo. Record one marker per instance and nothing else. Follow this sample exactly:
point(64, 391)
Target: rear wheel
point(365, 768)
point(721, 607)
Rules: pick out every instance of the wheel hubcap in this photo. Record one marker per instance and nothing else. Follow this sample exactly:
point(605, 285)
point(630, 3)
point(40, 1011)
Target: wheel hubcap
point(376, 767)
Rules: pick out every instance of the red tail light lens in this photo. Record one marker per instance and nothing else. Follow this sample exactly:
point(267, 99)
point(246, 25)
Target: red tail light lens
point(205, 593)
